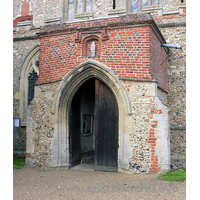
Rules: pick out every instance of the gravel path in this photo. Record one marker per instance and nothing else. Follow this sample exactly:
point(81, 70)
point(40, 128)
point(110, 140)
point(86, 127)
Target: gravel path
point(85, 183)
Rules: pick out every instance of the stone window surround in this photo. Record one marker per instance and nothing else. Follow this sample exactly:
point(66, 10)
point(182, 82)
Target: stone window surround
point(28, 66)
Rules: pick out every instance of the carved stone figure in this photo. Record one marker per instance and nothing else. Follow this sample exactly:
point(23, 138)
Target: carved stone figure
point(93, 49)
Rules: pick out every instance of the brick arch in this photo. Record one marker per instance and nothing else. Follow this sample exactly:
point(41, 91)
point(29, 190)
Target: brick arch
point(62, 102)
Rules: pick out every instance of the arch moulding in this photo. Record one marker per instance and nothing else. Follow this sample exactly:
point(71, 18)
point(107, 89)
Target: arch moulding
point(61, 106)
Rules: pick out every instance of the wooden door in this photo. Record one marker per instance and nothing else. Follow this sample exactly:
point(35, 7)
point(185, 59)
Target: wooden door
point(75, 141)
point(106, 128)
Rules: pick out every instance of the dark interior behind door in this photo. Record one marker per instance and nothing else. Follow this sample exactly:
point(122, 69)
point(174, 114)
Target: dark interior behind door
point(75, 143)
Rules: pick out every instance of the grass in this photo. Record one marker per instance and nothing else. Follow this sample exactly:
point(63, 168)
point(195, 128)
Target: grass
point(18, 163)
point(174, 176)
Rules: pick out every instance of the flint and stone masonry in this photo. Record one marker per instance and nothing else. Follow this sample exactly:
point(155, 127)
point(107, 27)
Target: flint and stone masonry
point(147, 80)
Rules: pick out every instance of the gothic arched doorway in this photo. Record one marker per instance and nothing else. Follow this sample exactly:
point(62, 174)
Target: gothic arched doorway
point(90, 70)
point(94, 126)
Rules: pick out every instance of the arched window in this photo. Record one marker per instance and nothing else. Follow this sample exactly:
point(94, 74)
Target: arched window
point(136, 5)
point(31, 84)
point(77, 8)
point(28, 76)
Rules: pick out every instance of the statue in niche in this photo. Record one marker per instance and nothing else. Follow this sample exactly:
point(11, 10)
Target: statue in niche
point(93, 49)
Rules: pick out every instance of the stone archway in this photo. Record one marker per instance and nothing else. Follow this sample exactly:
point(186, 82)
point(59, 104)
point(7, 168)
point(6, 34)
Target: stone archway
point(62, 102)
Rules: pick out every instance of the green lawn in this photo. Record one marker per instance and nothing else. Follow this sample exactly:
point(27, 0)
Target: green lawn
point(174, 176)
point(18, 162)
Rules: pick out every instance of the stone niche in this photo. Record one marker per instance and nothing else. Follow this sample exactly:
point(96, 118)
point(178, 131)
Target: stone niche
point(91, 47)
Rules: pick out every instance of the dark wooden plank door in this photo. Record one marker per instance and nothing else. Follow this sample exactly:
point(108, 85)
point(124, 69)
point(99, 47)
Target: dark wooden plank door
point(106, 128)
point(75, 141)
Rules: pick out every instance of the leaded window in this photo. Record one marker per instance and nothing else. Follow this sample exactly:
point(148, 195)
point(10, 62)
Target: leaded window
point(145, 2)
point(88, 6)
point(154, 2)
point(78, 7)
point(136, 5)
point(31, 85)
point(71, 9)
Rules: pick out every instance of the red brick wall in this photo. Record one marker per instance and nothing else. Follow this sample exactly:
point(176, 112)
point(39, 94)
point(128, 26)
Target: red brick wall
point(124, 48)
point(158, 61)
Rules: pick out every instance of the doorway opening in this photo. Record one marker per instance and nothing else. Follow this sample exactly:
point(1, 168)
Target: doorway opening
point(82, 126)
point(94, 126)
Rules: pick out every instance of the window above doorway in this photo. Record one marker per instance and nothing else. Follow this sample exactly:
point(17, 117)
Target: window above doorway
point(78, 9)
point(74, 10)
point(138, 5)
